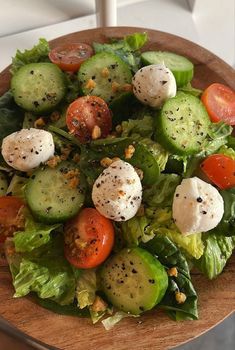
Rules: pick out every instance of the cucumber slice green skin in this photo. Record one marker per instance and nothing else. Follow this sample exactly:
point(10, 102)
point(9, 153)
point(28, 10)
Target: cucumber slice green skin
point(133, 280)
point(50, 197)
point(38, 87)
point(3, 184)
point(182, 125)
point(92, 70)
point(180, 66)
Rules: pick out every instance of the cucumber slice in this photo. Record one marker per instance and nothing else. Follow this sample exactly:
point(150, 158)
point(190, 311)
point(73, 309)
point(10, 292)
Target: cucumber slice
point(50, 196)
point(3, 184)
point(180, 66)
point(104, 75)
point(134, 280)
point(38, 87)
point(183, 125)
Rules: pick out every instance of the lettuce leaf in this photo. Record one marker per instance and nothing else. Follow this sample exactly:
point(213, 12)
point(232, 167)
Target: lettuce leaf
point(162, 223)
point(39, 53)
point(111, 321)
point(44, 271)
point(134, 230)
point(35, 235)
point(227, 151)
point(86, 288)
point(16, 186)
point(218, 250)
point(190, 90)
point(127, 49)
point(138, 127)
point(226, 226)
point(217, 137)
point(161, 194)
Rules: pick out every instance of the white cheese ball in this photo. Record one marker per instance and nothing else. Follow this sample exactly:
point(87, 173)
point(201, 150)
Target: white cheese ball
point(197, 206)
point(154, 84)
point(26, 149)
point(117, 192)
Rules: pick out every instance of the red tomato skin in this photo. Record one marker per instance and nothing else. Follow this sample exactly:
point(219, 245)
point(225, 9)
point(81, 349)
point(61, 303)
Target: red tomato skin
point(219, 101)
point(11, 216)
point(84, 114)
point(69, 57)
point(220, 169)
point(94, 235)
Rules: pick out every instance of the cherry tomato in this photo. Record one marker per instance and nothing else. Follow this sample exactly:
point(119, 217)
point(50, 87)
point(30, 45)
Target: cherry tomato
point(220, 169)
point(219, 101)
point(89, 117)
point(89, 238)
point(11, 216)
point(69, 57)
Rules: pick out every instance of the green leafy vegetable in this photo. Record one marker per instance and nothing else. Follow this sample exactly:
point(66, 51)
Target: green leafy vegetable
point(16, 186)
point(190, 90)
point(218, 250)
point(86, 288)
point(134, 230)
point(226, 226)
point(35, 235)
point(44, 271)
point(227, 151)
point(170, 256)
point(39, 53)
point(217, 136)
point(160, 195)
point(69, 310)
point(127, 49)
point(111, 321)
point(138, 127)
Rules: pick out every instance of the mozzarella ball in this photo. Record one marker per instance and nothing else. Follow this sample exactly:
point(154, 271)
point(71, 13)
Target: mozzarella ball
point(26, 149)
point(154, 84)
point(197, 206)
point(117, 192)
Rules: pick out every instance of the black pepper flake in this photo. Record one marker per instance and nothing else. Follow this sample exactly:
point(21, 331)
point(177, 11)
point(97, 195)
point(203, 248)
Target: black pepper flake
point(199, 199)
point(152, 281)
point(163, 82)
point(204, 212)
point(134, 271)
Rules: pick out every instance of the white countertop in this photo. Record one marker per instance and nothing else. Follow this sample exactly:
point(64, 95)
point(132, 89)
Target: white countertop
point(211, 26)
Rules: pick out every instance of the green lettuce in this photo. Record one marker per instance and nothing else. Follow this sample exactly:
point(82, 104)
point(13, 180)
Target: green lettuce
point(138, 127)
point(162, 223)
point(227, 151)
point(39, 53)
point(16, 186)
point(218, 134)
point(86, 288)
point(111, 321)
point(218, 250)
point(44, 271)
point(127, 48)
point(134, 230)
point(34, 235)
point(226, 226)
point(170, 256)
point(190, 90)
point(161, 194)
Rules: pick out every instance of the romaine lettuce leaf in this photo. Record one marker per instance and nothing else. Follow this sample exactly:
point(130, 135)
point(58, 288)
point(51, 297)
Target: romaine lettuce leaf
point(162, 223)
point(127, 49)
point(218, 250)
point(190, 90)
point(43, 270)
point(134, 230)
point(138, 127)
point(39, 53)
point(227, 151)
point(86, 288)
point(111, 321)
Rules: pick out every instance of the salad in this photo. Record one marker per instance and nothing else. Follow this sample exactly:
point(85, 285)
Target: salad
point(117, 177)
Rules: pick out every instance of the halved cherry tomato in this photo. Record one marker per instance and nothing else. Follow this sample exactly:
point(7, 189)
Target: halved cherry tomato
point(88, 118)
point(89, 238)
point(220, 169)
point(219, 101)
point(11, 216)
point(69, 57)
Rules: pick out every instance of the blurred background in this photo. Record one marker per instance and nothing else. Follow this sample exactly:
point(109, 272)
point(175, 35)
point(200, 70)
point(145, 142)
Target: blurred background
point(209, 23)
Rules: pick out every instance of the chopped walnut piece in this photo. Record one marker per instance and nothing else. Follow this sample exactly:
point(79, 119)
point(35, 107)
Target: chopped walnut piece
point(140, 173)
point(99, 305)
point(180, 297)
point(54, 161)
point(118, 129)
point(96, 132)
point(91, 84)
point(127, 87)
point(115, 159)
point(173, 272)
point(105, 72)
point(129, 151)
point(105, 162)
point(39, 123)
point(115, 86)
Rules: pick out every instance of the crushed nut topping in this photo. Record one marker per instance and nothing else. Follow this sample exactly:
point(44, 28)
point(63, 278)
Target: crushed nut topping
point(105, 72)
point(129, 151)
point(180, 297)
point(91, 84)
point(115, 86)
point(99, 305)
point(96, 132)
point(173, 272)
point(54, 161)
point(39, 123)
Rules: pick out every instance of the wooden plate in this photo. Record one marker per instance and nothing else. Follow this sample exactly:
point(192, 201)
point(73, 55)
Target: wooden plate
point(153, 330)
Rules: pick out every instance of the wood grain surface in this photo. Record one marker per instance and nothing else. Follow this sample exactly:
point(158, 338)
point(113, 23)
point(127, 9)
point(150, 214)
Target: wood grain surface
point(154, 330)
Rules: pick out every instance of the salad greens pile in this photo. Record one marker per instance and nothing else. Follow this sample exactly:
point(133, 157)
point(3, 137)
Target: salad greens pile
point(36, 254)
